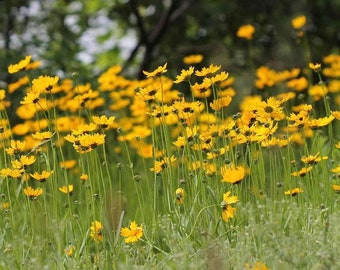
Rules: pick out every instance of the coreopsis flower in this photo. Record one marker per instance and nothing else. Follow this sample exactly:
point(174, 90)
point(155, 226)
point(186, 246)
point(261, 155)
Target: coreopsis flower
point(68, 164)
point(96, 231)
point(44, 84)
point(87, 142)
point(185, 75)
point(317, 91)
point(12, 87)
point(19, 66)
point(298, 22)
point(42, 177)
point(193, 59)
point(166, 162)
point(315, 67)
point(294, 191)
point(246, 31)
point(69, 250)
point(66, 189)
point(313, 159)
point(13, 173)
point(201, 90)
point(84, 177)
point(23, 162)
point(302, 172)
point(298, 84)
point(298, 120)
point(257, 266)
point(207, 71)
point(228, 211)
point(33, 193)
point(43, 136)
point(133, 233)
point(103, 121)
point(157, 72)
point(233, 174)
point(180, 195)
point(31, 98)
point(336, 188)
point(147, 93)
point(16, 147)
point(320, 122)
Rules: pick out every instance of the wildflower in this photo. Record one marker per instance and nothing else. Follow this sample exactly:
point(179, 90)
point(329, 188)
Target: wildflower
point(159, 166)
point(69, 250)
point(43, 136)
point(19, 66)
point(67, 189)
point(302, 172)
point(315, 67)
point(336, 188)
point(14, 173)
point(33, 193)
point(246, 31)
point(219, 103)
point(12, 87)
point(185, 75)
point(227, 210)
point(180, 195)
point(84, 177)
point(193, 59)
point(132, 234)
point(207, 71)
point(336, 114)
point(257, 266)
point(232, 174)
point(299, 22)
point(320, 122)
point(157, 72)
point(317, 91)
point(16, 148)
point(44, 84)
point(68, 164)
point(294, 191)
point(147, 93)
point(4, 205)
point(42, 177)
point(31, 98)
point(201, 90)
point(313, 159)
point(23, 162)
point(103, 121)
point(96, 231)
point(299, 84)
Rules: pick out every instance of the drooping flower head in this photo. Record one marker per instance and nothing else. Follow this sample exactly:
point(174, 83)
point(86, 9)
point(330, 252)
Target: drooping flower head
point(96, 231)
point(227, 210)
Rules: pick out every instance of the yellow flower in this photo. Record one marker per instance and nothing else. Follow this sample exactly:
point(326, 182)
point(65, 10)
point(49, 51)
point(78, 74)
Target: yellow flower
point(227, 210)
point(16, 148)
point(193, 59)
point(96, 231)
point(180, 195)
point(257, 266)
point(46, 135)
point(206, 71)
point(33, 193)
point(302, 172)
point(294, 191)
point(232, 174)
point(336, 188)
point(132, 234)
point(68, 164)
point(31, 97)
point(103, 121)
point(19, 66)
point(84, 177)
point(44, 84)
point(246, 31)
point(157, 72)
point(218, 104)
point(67, 189)
point(313, 159)
point(315, 67)
point(185, 75)
point(42, 177)
point(69, 250)
point(299, 22)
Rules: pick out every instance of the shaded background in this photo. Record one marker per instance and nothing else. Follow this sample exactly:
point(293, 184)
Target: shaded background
point(89, 36)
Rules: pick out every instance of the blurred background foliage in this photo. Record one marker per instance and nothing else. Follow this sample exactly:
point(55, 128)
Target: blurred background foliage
point(89, 36)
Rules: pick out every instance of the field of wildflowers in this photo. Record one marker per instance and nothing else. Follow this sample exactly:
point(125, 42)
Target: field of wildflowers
point(132, 174)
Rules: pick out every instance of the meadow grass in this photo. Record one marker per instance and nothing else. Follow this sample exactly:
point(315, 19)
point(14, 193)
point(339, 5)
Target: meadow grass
point(135, 174)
